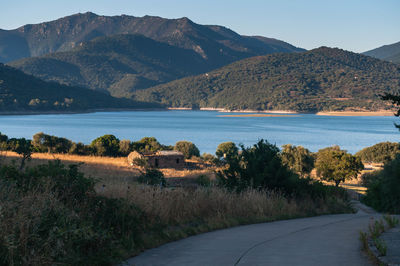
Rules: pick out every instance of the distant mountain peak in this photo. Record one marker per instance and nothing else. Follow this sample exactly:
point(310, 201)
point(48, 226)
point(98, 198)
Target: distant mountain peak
point(65, 33)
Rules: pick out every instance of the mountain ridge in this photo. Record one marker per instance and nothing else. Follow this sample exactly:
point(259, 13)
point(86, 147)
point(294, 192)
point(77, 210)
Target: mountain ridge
point(390, 52)
point(66, 33)
point(323, 79)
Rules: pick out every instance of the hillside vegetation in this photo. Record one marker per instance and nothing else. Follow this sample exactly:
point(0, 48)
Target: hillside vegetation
point(324, 79)
point(217, 44)
point(24, 93)
point(389, 52)
point(120, 64)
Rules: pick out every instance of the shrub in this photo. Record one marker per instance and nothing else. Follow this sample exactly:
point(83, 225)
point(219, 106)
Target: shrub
point(257, 167)
point(152, 176)
point(187, 148)
point(51, 215)
point(383, 192)
point(203, 180)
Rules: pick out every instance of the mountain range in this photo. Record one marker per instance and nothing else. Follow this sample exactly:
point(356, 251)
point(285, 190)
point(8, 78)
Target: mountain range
point(122, 54)
point(389, 52)
point(217, 44)
point(159, 62)
point(323, 79)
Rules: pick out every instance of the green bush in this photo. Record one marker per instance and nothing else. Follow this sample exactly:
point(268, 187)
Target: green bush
point(50, 215)
point(258, 167)
point(203, 180)
point(152, 176)
point(383, 192)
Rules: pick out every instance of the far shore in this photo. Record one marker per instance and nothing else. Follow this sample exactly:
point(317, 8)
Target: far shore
point(259, 115)
point(357, 113)
point(252, 113)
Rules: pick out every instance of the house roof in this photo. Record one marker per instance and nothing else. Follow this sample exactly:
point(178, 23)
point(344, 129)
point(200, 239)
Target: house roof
point(169, 153)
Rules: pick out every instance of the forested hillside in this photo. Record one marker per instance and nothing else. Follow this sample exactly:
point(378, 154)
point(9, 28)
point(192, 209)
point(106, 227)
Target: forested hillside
point(23, 93)
point(324, 79)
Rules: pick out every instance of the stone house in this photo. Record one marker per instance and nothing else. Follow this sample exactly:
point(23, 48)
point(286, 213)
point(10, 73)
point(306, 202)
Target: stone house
point(160, 159)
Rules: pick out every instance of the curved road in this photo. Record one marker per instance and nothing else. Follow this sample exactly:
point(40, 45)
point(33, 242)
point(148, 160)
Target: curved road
point(322, 240)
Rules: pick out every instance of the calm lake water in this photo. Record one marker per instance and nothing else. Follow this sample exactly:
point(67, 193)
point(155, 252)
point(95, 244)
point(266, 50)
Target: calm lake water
point(207, 128)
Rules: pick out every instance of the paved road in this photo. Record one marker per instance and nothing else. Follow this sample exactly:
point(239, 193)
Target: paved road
point(323, 240)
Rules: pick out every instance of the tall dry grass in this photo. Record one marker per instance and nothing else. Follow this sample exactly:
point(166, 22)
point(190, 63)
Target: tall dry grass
point(218, 207)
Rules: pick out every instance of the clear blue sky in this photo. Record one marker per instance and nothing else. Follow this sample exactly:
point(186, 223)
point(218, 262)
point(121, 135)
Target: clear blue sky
point(355, 25)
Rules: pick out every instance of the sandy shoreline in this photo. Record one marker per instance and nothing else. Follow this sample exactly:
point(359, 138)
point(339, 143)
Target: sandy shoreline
point(259, 115)
point(357, 113)
point(254, 113)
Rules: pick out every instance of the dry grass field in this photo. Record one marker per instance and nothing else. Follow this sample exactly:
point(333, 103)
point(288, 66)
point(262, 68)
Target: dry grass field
point(112, 171)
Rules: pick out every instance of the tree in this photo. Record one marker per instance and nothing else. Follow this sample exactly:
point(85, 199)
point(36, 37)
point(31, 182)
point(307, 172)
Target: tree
point(147, 144)
point(226, 150)
point(298, 159)
point(259, 167)
point(125, 147)
point(23, 147)
point(336, 165)
point(395, 99)
point(187, 148)
point(80, 149)
point(107, 145)
point(3, 142)
point(379, 153)
point(51, 144)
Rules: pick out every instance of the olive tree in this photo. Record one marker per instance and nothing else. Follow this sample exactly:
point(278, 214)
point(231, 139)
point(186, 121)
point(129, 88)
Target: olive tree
point(226, 151)
point(21, 146)
point(187, 148)
point(107, 145)
point(299, 159)
point(336, 165)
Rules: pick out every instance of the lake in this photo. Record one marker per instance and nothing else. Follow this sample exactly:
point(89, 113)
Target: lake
point(207, 128)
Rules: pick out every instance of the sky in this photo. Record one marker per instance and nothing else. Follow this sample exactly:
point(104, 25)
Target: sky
point(354, 25)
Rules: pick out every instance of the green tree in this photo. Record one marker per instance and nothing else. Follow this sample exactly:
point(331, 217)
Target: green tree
point(23, 147)
point(125, 147)
point(51, 144)
point(379, 153)
point(107, 145)
point(336, 165)
point(298, 159)
point(226, 151)
point(259, 167)
point(187, 148)
point(3, 142)
point(395, 99)
point(80, 149)
point(147, 144)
